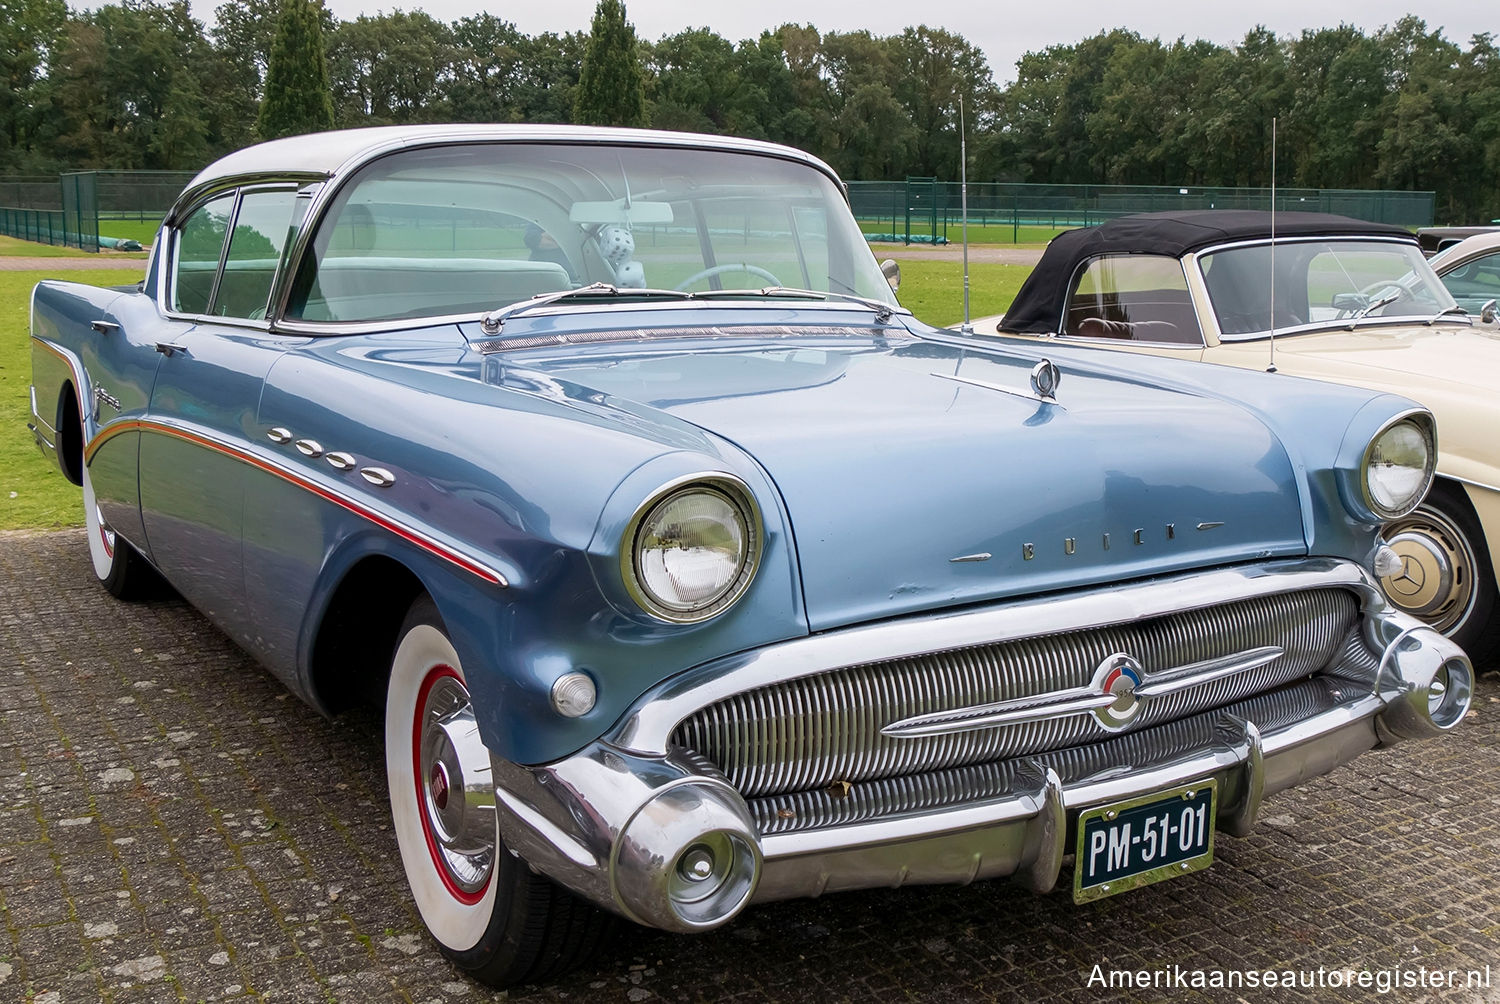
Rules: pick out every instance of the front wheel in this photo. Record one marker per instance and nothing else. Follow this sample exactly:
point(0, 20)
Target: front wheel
point(489, 913)
point(118, 566)
point(1445, 577)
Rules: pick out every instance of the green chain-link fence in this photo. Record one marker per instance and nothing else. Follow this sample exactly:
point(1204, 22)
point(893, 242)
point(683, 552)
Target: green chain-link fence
point(924, 210)
point(85, 209)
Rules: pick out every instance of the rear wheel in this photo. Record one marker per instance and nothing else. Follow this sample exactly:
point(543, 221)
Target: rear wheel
point(118, 566)
point(1446, 578)
point(489, 913)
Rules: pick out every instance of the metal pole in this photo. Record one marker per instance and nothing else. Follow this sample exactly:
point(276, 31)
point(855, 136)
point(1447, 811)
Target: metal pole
point(963, 183)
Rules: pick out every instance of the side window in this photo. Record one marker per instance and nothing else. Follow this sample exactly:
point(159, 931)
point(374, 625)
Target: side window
point(199, 246)
point(1475, 283)
point(1141, 298)
point(260, 231)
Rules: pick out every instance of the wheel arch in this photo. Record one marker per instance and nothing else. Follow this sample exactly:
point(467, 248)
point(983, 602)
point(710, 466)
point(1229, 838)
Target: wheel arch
point(1484, 506)
point(356, 636)
point(69, 434)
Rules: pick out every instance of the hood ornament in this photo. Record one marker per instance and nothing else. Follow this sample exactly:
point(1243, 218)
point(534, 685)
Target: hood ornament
point(1044, 380)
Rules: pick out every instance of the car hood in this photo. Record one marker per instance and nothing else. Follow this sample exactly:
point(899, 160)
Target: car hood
point(919, 474)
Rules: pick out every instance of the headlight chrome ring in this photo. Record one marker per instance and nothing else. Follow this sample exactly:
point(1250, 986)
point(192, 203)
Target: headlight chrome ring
point(692, 549)
point(1391, 483)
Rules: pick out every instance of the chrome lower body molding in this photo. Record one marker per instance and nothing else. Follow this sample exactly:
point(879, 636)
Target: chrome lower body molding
point(665, 840)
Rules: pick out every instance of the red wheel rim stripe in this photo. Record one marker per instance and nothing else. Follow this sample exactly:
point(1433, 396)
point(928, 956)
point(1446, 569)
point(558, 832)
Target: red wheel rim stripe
point(435, 674)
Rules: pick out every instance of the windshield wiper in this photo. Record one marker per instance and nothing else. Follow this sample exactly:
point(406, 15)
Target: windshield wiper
point(1375, 304)
point(1455, 309)
point(490, 323)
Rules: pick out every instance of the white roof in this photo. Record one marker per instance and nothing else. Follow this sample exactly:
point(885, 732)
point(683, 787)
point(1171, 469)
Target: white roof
point(329, 154)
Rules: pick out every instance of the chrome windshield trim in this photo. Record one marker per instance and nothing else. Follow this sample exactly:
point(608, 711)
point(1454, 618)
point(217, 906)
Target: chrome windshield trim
point(334, 328)
point(1403, 321)
point(385, 141)
point(647, 727)
point(1307, 239)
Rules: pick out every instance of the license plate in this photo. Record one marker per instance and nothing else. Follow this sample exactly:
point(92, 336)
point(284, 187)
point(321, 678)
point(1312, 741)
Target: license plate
point(1134, 843)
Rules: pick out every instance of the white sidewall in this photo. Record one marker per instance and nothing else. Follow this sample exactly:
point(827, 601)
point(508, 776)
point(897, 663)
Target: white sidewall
point(458, 926)
point(103, 561)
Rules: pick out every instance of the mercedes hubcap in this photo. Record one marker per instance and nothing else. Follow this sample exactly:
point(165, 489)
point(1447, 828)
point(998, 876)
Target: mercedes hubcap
point(1436, 580)
point(456, 793)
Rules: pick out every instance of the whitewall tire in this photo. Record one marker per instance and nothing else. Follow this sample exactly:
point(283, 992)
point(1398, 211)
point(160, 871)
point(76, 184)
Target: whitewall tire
point(488, 911)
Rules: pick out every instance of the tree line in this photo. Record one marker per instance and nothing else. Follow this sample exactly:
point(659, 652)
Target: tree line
point(140, 84)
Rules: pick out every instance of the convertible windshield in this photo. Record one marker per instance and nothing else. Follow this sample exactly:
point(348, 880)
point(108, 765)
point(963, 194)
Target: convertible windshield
point(1318, 283)
point(469, 229)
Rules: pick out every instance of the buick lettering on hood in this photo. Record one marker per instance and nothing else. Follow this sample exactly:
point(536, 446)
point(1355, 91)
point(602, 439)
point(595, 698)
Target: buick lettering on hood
point(690, 569)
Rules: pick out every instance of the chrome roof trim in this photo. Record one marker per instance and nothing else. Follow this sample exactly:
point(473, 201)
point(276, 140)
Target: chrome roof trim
point(333, 154)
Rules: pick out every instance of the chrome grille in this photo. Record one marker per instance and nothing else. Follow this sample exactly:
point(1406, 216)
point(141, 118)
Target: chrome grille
point(809, 732)
point(958, 786)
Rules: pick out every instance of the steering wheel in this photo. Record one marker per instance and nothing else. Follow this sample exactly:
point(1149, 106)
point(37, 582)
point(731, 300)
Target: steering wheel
point(738, 266)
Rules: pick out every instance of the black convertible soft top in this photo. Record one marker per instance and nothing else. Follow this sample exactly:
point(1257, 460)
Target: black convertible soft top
point(1038, 306)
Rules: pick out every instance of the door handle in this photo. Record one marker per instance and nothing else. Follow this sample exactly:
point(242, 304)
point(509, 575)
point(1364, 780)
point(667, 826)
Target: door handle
point(104, 327)
point(167, 348)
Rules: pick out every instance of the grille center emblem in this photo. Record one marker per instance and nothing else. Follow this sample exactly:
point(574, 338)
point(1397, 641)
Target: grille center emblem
point(1118, 676)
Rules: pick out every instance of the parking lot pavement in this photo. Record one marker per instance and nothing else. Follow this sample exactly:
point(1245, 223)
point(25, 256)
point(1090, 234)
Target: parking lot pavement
point(174, 826)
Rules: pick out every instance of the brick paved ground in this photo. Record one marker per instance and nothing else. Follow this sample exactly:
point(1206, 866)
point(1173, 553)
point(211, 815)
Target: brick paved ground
point(174, 826)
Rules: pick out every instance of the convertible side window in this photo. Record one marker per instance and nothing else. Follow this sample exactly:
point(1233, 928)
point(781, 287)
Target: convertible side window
point(200, 244)
point(260, 232)
point(1142, 298)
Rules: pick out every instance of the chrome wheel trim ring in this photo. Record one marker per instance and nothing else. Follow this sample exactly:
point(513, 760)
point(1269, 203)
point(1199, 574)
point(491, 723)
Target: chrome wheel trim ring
point(1436, 582)
point(460, 838)
point(458, 922)
point(102, 540)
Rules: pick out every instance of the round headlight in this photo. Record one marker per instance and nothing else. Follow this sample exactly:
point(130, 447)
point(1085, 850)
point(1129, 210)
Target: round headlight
point(692, 551)
point(1398, 468)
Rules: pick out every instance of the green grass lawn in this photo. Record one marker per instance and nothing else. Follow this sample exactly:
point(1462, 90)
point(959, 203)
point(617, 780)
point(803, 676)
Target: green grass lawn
point(934, 290)
point(33, 493)
point(11, 247)
point(145, 232)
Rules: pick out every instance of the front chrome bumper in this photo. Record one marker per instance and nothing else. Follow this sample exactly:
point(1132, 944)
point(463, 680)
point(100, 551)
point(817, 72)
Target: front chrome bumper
point(631, 829)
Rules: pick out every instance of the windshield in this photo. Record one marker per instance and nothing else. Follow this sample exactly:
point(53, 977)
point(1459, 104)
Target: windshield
point(1320, 283)
point(468, 229)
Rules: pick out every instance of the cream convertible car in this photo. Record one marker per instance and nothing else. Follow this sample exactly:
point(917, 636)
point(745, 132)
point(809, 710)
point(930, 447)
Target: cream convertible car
point(1354, 303)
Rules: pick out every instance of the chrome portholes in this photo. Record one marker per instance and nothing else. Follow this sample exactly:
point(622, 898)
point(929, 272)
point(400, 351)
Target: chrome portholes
point(456, 796)
point(337, 459)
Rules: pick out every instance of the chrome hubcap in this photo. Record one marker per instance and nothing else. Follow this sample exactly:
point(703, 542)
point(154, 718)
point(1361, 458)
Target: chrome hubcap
point(457, 795)
point(1436, 580)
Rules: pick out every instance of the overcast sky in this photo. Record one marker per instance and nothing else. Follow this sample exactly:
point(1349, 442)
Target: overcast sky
point(1003, 30)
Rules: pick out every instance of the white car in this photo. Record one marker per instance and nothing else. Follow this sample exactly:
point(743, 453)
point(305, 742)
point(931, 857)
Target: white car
point(1471, 271)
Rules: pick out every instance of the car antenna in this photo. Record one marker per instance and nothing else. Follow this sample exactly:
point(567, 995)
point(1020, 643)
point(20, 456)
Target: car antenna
point(963, 201)
point(1272, 368)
